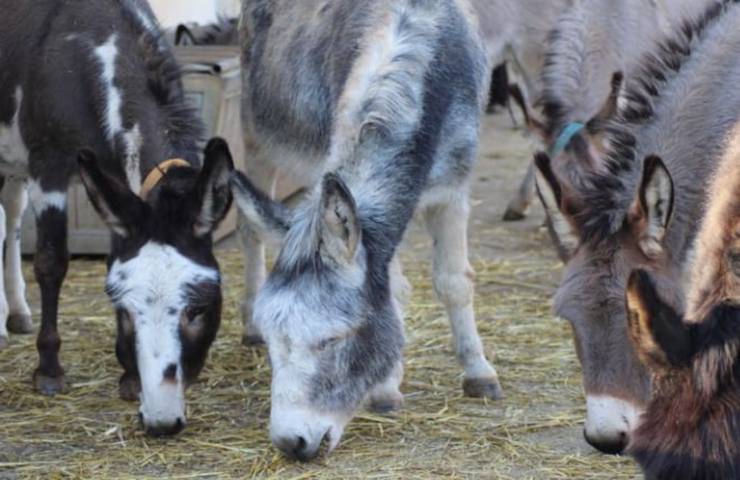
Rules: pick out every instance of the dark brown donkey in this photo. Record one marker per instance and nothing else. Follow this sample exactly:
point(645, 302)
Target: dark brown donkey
point(691, 428)
point(100, 75)
point(611, 207)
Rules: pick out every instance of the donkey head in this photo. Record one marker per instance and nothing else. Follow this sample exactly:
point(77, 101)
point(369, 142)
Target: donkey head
point(591, 294)
point(692, 421)
point(163, 279)
point(325, 313)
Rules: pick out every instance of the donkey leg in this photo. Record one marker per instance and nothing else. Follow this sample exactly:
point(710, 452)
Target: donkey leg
point(3, 300)
point(387, 396)
point(50, 266)
point(15, 200)
point(453, 282)
point(517, 209)
point(400, 286)
point(253, 247)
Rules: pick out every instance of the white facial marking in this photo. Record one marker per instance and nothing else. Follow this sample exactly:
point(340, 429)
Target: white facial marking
point(151, 287)
point(608, 418)
point(132, 141)
point(42, 200)
point(106, 54)
point(13, 150)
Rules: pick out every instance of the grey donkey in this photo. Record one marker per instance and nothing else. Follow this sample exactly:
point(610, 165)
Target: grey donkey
point(630, 196)
point(375, 105)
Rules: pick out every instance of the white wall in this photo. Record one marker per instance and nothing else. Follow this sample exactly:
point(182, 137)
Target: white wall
point(173, 12)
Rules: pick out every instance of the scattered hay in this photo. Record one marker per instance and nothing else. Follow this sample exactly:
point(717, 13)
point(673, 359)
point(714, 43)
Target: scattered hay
point(533, 433)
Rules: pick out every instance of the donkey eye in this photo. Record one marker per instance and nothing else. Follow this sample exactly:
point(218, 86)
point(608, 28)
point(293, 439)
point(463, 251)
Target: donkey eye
point(195, 312)
point(327, 342)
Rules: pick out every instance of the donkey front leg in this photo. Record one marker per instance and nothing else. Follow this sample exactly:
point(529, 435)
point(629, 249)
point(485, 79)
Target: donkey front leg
point(453, 282)
point(517, 209)
point(15, 200)
point(50, 266)
point(253, 247)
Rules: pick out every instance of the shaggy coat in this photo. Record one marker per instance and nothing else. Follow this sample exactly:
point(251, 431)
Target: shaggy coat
point(613, 209)
point(691, 427)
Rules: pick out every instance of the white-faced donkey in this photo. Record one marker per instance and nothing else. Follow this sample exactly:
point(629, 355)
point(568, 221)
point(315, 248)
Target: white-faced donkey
point(100, 75)
point(628, 194)
point(376, 106)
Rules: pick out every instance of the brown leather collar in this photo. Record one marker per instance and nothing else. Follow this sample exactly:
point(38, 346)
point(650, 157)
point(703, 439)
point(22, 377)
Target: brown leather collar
point(158, 173)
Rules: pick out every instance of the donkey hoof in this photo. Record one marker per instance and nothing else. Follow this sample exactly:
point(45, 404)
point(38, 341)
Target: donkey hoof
point(20, 323)
point(385, 405)
point(252, 340)
point(513, 215)
point(129, 389)
point(483, 388)
point(47, 385)
point(3, 343)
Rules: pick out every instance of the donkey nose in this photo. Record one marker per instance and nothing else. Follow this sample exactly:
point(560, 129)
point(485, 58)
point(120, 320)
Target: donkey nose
point(163, 429)
point(296, 448)
point(612, 445)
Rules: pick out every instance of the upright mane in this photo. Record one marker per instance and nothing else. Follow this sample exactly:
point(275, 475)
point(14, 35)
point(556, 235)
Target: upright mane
point(563, 74)
point(184, 128)
point(604, 200)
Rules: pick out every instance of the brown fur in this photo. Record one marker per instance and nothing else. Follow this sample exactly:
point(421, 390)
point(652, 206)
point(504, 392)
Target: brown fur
point(691, 428)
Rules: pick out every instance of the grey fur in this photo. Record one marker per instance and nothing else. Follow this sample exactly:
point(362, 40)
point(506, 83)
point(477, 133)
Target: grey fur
point(387, 96)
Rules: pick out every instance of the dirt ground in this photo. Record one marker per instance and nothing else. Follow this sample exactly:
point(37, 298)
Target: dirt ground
point(535, 432)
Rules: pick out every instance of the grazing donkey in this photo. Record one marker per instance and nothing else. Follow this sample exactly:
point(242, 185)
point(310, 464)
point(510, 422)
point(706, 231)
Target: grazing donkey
point(375, 104)
point(100, 75)
point(611, 209)
point(589, 42)
point(691, 427)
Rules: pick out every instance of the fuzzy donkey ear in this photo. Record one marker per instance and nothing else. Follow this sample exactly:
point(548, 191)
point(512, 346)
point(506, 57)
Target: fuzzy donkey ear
point(660, 337)
point(551, 195)
point(339, 227)
point(261, 214)
point(184, 36)
point(119, 207)
point(213, 190)
point(653, 209)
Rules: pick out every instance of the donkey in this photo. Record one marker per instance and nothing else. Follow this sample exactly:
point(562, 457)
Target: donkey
point(100, 75)
point(691, 426)
point(588, 42)
point(611, 209)
point(376, 106)
point(223, 32)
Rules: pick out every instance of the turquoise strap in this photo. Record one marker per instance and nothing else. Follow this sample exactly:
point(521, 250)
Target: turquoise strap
point(566, 135)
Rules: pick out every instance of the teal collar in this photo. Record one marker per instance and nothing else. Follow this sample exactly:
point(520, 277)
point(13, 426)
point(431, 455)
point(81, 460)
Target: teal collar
point(565, 137)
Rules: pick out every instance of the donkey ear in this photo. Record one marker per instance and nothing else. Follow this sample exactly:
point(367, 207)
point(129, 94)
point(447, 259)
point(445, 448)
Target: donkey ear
point(183, 36)
point(213, 190)
point(658, 333)
point(339, 226)
point(611, 106)
point(654, 207)
point(262, 215)
point(533, 123)
point(550, 193)
point(116, 204)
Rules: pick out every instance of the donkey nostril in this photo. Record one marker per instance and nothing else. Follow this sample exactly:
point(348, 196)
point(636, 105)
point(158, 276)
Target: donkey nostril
point(300, 444)
point(170, 373)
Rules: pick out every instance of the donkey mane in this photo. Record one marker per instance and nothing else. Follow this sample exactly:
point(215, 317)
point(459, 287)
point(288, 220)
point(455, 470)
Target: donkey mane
point(603, 195)
point(163, 74)
point(567, 49)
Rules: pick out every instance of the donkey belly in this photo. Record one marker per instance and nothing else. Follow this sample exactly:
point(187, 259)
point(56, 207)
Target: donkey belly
point(13, 150)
